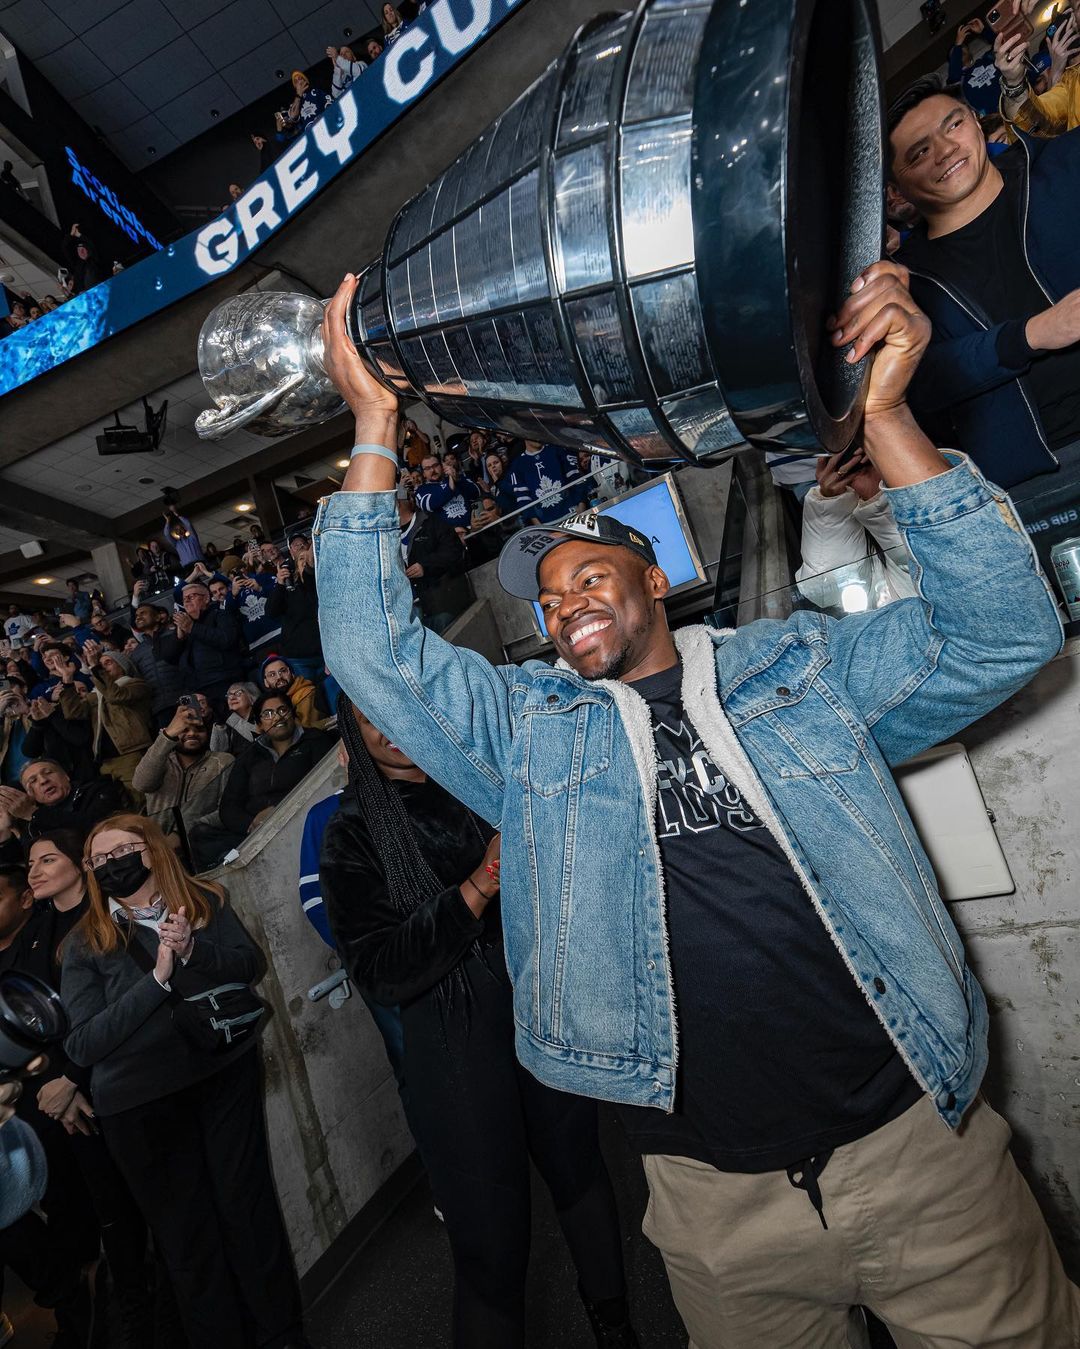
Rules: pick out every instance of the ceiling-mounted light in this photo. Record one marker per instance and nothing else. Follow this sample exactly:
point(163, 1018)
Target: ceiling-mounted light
point(343, 463)
point(244, 507)
point(44, 580)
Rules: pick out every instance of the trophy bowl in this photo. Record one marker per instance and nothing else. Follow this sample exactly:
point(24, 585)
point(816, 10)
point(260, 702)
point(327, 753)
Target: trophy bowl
point(641, 252)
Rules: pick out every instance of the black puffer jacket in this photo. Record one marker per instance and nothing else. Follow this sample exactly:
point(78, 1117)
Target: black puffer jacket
point(298, 610)
point(212, 653)
point(257, 779)
point(396, 960)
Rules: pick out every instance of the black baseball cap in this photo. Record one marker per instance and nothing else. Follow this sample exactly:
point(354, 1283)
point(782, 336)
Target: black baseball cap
point(519, 561)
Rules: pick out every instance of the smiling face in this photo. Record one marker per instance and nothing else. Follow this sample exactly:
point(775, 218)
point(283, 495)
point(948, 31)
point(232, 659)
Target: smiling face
point(239, 701)
point(193, 739)
point(54, 661)
point(938, 155)
point(277, 675)
point(601, 606)
point(277, 719)
point(219, 591)
point(196, 600)
point(388, 759)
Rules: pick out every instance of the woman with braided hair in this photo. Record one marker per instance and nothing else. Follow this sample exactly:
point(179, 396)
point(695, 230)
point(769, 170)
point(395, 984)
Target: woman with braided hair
point(410, 879)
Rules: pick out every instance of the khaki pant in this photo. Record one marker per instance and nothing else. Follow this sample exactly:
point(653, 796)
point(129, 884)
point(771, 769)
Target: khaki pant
point(936, 1232)
point(122, 768)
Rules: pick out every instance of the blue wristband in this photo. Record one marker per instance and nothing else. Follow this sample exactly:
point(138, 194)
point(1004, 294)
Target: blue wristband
point(375, 449)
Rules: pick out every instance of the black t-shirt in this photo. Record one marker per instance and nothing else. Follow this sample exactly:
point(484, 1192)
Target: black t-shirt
point(985, 260)
point(780, 1055)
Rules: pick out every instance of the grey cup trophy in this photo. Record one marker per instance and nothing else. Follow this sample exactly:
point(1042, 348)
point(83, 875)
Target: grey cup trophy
point(640, 253)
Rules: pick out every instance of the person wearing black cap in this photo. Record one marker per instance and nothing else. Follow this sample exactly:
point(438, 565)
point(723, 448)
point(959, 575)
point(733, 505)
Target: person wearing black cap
point(717, 913)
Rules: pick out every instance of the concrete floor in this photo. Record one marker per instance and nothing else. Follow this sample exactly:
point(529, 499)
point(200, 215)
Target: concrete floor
point(396, 1292)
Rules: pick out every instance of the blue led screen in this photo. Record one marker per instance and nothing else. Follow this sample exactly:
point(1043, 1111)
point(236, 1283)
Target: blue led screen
point(427, 49)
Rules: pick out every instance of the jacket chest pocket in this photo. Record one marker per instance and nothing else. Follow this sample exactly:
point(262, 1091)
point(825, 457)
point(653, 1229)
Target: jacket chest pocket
point(560, 749)
point(794, 719)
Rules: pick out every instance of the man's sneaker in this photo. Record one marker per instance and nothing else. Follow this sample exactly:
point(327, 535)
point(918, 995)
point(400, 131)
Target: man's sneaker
point(610, 1323)
point(7, 1330)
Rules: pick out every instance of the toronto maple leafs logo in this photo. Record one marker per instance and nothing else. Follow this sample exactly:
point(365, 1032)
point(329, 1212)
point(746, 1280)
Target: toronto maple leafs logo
point(308, 109)
point(253, 608)
point(982, 76)
point(455, 508)
point(693, 795)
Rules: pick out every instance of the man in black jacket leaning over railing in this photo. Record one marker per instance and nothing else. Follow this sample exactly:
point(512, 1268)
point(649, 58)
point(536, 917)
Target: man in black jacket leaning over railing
point(295, 602)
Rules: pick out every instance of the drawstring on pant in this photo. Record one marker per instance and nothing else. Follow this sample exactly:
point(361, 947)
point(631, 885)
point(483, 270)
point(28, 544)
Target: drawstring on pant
point(804, 1176)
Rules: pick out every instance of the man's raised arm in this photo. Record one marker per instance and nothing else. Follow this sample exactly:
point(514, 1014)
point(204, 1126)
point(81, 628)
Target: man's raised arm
point(984, 621)
point(445, 706)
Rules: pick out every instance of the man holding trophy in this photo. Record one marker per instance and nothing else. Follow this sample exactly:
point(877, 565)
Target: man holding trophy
point(717, 912)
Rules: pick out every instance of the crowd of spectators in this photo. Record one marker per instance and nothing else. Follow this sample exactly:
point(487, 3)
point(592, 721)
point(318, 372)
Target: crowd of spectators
point(310, 96)
point(150, 744)
point(82, 268)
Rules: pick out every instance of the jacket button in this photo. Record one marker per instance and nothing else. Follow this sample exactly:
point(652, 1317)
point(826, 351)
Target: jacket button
point(553, 697)
point(650, 964)
point(879, 984)
point(656, 1087)
point(783, 691)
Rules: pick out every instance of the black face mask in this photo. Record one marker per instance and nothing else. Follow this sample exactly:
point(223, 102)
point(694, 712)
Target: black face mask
point(120, 877)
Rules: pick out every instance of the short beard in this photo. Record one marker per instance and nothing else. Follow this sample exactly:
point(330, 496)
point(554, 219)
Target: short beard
point(617, 665)
point(624, 658)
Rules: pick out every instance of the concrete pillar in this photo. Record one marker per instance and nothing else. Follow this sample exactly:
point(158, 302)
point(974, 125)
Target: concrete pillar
point(765, 586)
point(267, 506)
point(113, 575)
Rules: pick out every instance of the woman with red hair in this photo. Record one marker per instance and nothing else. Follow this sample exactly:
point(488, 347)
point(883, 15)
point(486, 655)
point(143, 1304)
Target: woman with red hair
point(182, 1118)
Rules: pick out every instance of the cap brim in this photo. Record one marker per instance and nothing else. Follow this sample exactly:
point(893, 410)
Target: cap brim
point(520, 559)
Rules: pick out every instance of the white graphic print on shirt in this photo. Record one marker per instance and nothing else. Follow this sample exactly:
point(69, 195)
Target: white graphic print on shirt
point(693, 795)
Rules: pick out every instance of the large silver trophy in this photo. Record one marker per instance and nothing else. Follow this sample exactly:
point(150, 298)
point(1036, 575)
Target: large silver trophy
point(640, 253)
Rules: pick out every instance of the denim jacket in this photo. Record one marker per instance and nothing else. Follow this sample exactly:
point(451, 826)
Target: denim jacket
point(805, 716)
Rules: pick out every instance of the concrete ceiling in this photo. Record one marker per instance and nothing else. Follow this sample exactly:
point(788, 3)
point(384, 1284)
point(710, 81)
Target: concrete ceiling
point(71, 470)
point(151, 73)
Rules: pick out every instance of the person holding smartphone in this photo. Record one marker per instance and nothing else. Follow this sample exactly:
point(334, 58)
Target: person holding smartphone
point(1052, 105)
